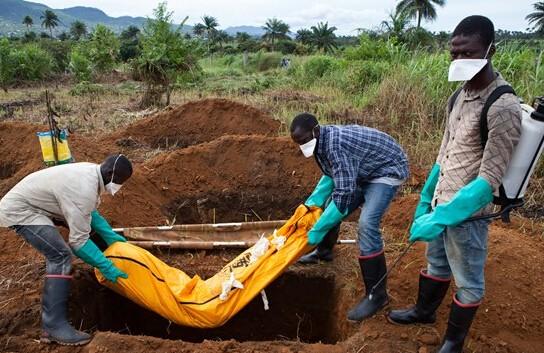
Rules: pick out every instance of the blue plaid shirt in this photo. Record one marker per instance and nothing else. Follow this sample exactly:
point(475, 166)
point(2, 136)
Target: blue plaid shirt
point(353, 155)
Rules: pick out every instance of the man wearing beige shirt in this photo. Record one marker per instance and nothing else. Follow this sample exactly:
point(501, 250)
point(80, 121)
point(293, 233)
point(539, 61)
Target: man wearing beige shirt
point(69, 192)
point(468, 170)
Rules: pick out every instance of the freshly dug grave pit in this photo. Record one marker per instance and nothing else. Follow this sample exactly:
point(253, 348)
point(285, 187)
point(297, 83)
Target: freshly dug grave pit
point(231, 179)
point(196, 122)
point(302, 308)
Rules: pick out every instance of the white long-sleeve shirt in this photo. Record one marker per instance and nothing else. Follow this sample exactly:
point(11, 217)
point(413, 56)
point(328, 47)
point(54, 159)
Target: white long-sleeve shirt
point(70, 192)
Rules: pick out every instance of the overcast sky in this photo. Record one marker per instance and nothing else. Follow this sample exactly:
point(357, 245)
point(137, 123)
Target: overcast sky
point(346, 15)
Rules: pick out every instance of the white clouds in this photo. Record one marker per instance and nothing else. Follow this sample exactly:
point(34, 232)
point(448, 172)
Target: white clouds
point(346, 15)
point(346, 20)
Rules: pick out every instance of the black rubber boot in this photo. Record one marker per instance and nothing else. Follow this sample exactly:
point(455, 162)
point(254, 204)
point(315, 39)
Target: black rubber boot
point(461, 317)
point(432, 291)
point(55, 326)
point(323, 251)
point(372, 269)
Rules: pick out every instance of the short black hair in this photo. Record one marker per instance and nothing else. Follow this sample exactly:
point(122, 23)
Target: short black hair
point(479, 25)
point(306, 121)
point(118, 165)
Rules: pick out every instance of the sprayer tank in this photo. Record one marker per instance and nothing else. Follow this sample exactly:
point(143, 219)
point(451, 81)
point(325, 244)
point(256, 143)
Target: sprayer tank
point(526, 154)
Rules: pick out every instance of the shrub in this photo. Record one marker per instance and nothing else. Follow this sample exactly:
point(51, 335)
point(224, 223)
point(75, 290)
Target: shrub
point(263, 61)
point(26, 62)
point(86, 88)
point(80, 63)
point(361, 74)
point(286, 46)
point(60, 52)
point(103, 49)
point(317, 66)
point(167, 57)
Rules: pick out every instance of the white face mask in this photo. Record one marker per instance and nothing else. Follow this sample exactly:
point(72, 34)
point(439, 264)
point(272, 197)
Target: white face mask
point(112, 187)
point(466, 69)
point(309, 147)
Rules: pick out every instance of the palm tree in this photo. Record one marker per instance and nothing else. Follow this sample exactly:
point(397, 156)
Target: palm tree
point(275, 29)
point(537, 17)
point(199, 29)
point(323, 37)
point(222, 37)
point(78, 30)
point(397, 24)
point(28, 22)
point(210, 25)
point(242, 37)
point(50, 21)
point(419, 9)
point(304, 36)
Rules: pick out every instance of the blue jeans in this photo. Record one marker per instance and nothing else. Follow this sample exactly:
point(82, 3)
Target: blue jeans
point(461, 251)
point(375, 198)
point(48, 241)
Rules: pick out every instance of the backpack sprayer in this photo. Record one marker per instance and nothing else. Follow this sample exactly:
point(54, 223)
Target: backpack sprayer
point(522, 164)
point(54, 143)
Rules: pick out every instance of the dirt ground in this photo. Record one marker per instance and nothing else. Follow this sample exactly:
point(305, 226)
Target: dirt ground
point(220, 161)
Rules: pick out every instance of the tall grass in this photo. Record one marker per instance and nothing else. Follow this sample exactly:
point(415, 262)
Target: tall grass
point(380, 84)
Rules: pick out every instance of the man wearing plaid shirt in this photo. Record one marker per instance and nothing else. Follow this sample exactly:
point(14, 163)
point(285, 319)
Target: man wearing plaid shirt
point(361, 166)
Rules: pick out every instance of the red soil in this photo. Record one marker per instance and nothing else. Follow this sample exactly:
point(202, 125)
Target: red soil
point(226, 175)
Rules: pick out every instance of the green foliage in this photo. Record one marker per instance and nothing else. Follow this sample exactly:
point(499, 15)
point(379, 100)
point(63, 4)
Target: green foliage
point(375, 49)
point(28, 21)
point(536, 19)
point(103, 49)
point(361, 74)
point(275, 30)
point(85, 88)
point(96, 56)
point(263, 61)
point(419, 9)
point(30, 37)
point(130, 42)
point(60, 52)
point(26, 62)
point(78, 30)
point(7, 66)
point(318, 66)
point(323, 37)
point(304, 36)
point(167, 57)
point(523, 67)
point(50, 20)
point(286, 46)
point(80, 63)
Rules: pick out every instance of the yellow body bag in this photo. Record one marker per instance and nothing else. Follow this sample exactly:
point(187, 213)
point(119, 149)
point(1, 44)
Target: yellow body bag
point(205, 304)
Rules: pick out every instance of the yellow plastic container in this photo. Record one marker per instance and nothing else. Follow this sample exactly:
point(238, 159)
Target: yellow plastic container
point(63, 151)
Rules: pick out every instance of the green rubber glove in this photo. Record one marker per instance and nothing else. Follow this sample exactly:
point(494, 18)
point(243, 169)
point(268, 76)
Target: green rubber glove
point(427, 193)
point(321, 193)
point(329, 219)
point(468, 200)
point(103, 229)
point(90, 253)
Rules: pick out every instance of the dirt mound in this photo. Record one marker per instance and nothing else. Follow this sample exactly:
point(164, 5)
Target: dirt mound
point(234, 178)
point(229, 175)
point(196, 122)
point(21, 152)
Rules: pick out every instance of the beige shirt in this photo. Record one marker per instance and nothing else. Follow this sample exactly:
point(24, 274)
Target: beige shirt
point(462, 157)
point(70, 192)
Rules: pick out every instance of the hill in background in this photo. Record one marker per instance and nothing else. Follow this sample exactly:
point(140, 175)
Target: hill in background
point(12, 13)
